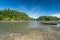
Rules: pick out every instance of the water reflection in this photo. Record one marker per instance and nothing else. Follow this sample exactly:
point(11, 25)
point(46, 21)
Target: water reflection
point(58, 25)
point(36, 25)
point(9, 28)
point(33, 25)
point(18, 26)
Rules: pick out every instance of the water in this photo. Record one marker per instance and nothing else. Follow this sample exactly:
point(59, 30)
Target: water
point(10, 27)
point(18, 26)
point(58, 25)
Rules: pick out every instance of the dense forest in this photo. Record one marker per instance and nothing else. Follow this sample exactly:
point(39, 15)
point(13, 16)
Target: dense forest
point(13, 15)
point(10, 15)
point(47, 18)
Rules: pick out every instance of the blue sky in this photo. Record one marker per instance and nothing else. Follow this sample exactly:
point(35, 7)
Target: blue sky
point(34, 8)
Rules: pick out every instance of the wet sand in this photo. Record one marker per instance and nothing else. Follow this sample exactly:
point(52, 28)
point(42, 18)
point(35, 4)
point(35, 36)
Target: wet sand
point(48, 34)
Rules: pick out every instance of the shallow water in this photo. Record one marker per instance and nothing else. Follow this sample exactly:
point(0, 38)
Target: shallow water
point(10, 28)
point(20, 26)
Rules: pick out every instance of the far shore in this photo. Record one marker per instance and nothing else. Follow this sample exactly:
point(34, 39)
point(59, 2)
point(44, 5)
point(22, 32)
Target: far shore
point(34, 21)
point(17, 21)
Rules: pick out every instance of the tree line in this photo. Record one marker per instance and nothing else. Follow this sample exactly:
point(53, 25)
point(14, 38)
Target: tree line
point(11, 15)
point(47, 18)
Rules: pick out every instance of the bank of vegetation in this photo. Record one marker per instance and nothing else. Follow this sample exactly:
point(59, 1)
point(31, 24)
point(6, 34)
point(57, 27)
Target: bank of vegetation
point(13, 15)
point(47, 18)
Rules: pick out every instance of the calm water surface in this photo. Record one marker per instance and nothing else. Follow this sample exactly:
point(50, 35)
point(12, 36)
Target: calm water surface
point(20, 26)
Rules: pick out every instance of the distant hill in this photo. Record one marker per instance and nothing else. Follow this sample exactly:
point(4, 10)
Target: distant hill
point(47, 18)
point(11, 15)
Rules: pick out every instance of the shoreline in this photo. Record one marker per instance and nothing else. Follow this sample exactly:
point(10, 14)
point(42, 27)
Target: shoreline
point(18, 21)
point(34, 21)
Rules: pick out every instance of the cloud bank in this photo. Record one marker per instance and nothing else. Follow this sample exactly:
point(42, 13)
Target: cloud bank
point(56, 15)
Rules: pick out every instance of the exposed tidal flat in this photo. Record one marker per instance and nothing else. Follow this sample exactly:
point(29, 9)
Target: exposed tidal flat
point(32, 31)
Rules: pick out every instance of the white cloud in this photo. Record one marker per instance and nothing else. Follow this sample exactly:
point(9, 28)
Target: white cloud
point(56, 15)
point(32, 12)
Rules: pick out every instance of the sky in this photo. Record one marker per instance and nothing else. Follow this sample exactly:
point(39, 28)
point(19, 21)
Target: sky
point(33, 8)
